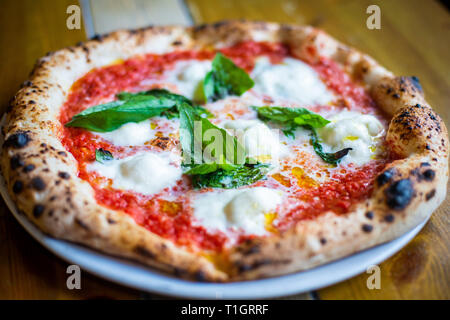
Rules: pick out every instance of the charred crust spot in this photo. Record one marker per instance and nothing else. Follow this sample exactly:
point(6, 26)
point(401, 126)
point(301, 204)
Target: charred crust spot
point(251, 250)
point(27, 83)
point(111, 221)
point(16, 162)
point(17, 140)
point(17, 186)
point(396, 96)
point(62, 153)
point(63, 175)
point(38, 210)
point(399, 194)
point(389, 218)
point(323, 241)
point(416, 83)
point(179, 272)
point(200, 276)
point(367, 228)
point(97, 37)
point(81, 224)
point(242, 267)
point(38, 184)
point(430, 194)
point(369, 215)
point(142, 251)
point(177, 43)
point(425, 164)
point(428, 175)
point(200, 27)
point(29, 167)
point(385, 177)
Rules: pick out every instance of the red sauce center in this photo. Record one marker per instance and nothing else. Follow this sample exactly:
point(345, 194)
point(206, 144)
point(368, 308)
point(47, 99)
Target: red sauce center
point(172, 220)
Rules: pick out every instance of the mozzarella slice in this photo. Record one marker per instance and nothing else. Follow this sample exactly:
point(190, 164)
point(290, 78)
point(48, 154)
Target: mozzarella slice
point(188, 77)
point(291, 80)
point(354, 130)
point(146, 173)
point(240, 210)
point(260, 142)
point(130, 134)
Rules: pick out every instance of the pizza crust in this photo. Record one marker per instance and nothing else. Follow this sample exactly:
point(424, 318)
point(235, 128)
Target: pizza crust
point(42, 176)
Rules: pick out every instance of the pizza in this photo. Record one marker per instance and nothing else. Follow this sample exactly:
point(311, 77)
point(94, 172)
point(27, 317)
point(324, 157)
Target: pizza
point(223, 152)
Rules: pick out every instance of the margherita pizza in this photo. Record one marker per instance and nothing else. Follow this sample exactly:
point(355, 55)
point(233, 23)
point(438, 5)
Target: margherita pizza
point(223, 152)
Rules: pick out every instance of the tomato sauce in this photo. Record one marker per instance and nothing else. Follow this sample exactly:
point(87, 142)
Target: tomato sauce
point(172, 219)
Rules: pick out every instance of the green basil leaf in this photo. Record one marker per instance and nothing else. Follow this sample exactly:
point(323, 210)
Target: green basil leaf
point(229, 179)
point(225, 79)
point(231, 149)
point(132, 107)
point(291, 117)
point(332, 158)
point(110, 116)
point(224, 170)
point(102, 155)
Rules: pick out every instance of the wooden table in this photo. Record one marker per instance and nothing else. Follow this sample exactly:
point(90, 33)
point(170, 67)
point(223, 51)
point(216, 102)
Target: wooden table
point(414, 39)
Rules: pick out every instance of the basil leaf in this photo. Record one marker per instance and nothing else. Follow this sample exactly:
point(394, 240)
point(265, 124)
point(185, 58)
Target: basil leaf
point(332, 158)
point(132, 107)
point(224, 170)
point(234, 178)
point(291, 117)
point(206, 168)
point(231, 151)
point(110, 116)
point(102, 155)
point(225, 79)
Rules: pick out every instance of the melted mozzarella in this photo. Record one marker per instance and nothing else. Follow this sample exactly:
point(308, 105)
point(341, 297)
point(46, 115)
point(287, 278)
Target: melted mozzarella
point(291, 80)
point(188, 77)
point(146, 173)
point(242, 210)
point(260, 142)
point(130, 134)
point(353, 130)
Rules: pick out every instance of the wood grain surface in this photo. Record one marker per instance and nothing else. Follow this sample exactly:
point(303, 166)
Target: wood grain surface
point(414, 40)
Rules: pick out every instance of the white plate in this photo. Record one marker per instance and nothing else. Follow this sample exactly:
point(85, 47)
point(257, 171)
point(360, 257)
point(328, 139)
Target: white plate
point(146, 279)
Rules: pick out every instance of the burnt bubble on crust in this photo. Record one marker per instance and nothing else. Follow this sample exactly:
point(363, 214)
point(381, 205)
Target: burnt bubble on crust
point(16, 162)
point(63, 175)
point(17, 140)
point(399, 194)
point(416, 83)
point(17, 187)
point(38, 184)
point(38, 210)
point(428, 175)
point(430, 194)
point(141, 250)
point(385, 177)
